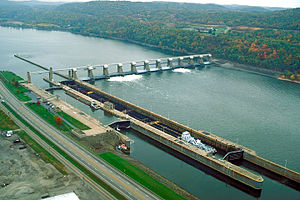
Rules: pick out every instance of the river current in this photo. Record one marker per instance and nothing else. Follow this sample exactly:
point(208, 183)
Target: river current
point(258, 112)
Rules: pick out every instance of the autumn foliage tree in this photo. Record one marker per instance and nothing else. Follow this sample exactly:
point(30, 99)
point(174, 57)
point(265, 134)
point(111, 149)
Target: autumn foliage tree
point(58, 120)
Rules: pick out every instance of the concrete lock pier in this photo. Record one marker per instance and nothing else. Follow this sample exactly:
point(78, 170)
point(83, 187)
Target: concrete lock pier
point(51, 74)
point(133, 67)
point(170, 62)
point(158, 64)
point(74, 73)
point(180, 61)
point(167, 132)
point(105, 70)
point(90, 72)
point(120, 68)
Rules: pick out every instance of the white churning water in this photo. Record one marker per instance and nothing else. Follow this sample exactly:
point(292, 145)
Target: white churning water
point(125, 78)
point(182, 70)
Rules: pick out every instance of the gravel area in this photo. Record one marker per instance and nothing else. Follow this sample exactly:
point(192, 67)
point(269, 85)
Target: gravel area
point(29, 177)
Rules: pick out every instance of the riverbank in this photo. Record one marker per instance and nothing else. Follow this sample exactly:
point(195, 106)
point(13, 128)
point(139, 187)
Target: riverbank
point(246, 68)
point(252, 69)
point(289, 80)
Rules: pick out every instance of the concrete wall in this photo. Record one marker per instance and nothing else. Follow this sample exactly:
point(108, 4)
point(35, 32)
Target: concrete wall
point(78, 133)
point(108, 139)
point(273, 167)
point(223, 167)
point(78, 98)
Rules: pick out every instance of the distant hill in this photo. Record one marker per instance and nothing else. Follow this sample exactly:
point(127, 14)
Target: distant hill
point(168, 12)
point(276, 8)
point(131, 8)
point(34, 3)
point(157, 5)
point(254, 9)
point(175, 14)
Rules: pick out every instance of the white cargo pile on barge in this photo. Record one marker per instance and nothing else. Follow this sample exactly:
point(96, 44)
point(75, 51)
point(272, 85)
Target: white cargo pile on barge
point(186, 136)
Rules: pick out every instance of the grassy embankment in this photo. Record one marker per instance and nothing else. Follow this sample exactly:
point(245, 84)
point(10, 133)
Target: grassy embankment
point(66, 156)
point(140, 176)
point(11, 82)
point(48, 116)
point(51, 118)
point(6, 123)
point(73, 121)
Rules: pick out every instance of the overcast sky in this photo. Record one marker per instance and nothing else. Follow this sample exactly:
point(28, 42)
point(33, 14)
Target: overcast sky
point(270, 3)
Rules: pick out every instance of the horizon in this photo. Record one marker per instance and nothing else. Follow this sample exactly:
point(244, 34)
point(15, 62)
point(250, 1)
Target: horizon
point(266, 3)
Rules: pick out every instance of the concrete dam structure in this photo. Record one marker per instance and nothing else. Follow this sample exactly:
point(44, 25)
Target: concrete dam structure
point(126, 68)
point(142, 67)
point(168, 132)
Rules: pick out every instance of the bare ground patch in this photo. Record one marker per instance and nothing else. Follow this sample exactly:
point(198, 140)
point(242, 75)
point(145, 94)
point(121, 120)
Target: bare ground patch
point(245, 28)
point(29, 177)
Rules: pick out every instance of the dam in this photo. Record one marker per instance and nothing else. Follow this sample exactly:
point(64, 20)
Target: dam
point(125, 68)
point(144, 121)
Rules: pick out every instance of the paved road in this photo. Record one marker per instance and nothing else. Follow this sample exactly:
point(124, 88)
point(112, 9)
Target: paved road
point(102, 193)
point(113, 177)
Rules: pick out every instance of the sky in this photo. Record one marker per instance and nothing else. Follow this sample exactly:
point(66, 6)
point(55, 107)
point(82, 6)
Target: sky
point(269, 3)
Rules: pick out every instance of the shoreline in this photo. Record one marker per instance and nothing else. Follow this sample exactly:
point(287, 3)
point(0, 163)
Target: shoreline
point(227, 64)
point(289, 80)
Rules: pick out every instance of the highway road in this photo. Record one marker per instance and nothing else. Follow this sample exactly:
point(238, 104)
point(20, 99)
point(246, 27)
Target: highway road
point(113, 177)
point(102, 193)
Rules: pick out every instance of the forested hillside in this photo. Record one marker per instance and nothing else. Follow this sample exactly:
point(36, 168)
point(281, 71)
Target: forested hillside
point(257, 36)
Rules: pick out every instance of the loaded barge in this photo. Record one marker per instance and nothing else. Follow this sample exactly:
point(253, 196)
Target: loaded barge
point(161, 130)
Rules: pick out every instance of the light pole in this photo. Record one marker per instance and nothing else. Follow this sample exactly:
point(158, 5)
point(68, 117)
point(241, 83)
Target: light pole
point(285, 167)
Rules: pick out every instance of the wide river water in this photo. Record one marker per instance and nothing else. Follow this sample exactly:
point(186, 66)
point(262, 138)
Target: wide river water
point(258, 112)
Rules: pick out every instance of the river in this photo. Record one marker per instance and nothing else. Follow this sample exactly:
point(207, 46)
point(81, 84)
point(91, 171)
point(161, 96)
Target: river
point(258, 112)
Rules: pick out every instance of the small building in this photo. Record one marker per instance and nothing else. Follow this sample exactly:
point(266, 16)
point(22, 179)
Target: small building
point(109, 105)
point(67, 196)
point(9, 133)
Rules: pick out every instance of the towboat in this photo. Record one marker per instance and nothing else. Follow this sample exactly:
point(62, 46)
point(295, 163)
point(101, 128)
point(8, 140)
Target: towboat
point(123, 148)
point(94, 105)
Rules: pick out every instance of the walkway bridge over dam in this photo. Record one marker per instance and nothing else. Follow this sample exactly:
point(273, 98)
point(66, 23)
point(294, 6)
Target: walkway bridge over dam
point(168, 132)
point(105, 71)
